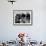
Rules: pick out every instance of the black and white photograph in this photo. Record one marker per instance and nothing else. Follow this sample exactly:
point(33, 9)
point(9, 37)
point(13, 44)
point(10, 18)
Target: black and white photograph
point(22, 16)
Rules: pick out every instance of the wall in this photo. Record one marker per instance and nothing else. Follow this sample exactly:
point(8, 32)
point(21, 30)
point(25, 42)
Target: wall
point(37, 31)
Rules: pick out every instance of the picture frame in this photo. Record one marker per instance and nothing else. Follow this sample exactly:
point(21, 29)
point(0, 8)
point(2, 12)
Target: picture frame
point(22, 17)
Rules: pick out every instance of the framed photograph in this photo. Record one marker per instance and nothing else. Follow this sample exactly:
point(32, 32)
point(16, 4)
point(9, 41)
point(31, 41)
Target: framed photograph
point(22, 17)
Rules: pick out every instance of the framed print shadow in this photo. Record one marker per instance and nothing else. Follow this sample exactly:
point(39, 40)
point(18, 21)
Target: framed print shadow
point(22, 17)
